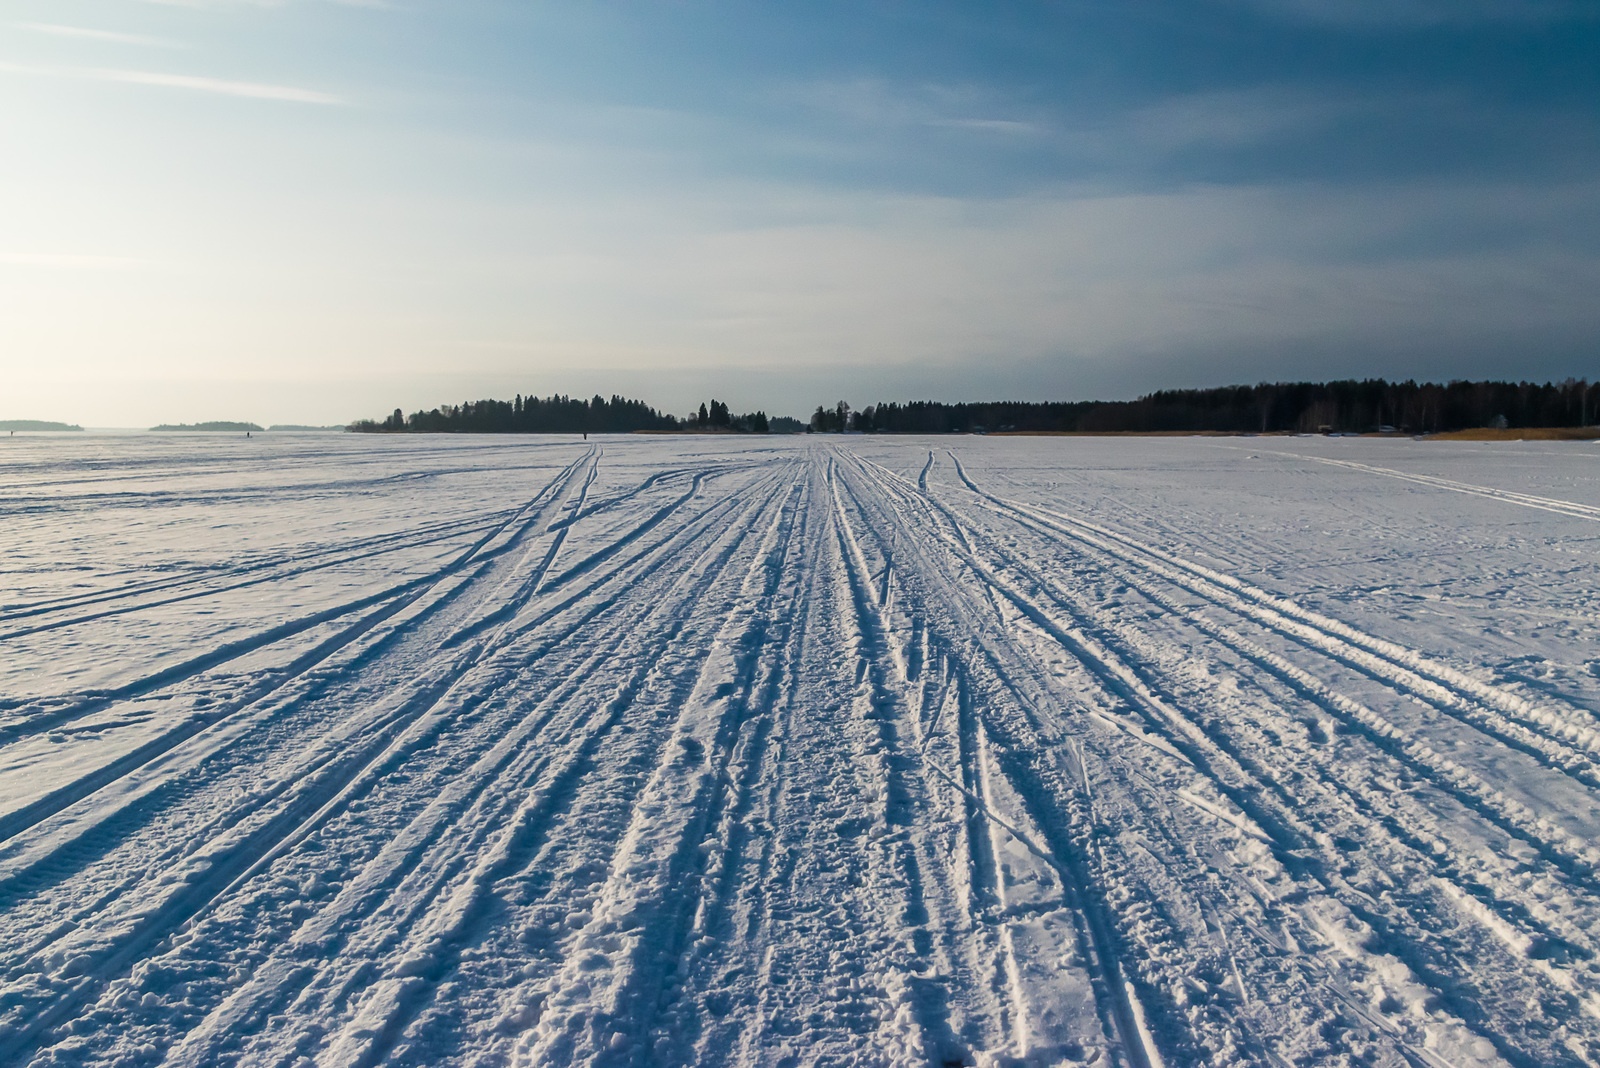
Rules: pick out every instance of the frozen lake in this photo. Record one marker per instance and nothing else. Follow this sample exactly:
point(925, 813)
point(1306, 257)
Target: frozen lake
point(761, 751)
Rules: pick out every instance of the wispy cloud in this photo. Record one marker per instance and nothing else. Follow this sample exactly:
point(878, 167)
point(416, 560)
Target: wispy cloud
point(875, 102)
point(110, 36)
point(220, 86)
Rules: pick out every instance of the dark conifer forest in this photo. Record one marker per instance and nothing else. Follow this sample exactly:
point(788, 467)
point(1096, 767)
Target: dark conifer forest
point(560, 415)
point(1348, 406)
point(1295, 407)
point(530, 415)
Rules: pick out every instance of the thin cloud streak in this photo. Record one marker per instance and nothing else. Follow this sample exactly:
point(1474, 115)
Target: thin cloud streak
point(111, 36)
point(219, 86)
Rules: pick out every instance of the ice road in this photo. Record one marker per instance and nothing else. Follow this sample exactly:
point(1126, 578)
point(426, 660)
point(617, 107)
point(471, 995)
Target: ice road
point(348, 750)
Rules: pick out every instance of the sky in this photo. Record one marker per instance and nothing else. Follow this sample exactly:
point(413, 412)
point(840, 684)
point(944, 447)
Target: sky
point(308, 211)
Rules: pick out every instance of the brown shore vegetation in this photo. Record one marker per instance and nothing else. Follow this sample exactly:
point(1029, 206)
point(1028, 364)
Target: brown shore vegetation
point(1531, 433)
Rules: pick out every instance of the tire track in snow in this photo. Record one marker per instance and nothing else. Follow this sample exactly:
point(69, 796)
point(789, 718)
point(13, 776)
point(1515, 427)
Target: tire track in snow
point(276, 570)
point(821, 975)
point(1051, 797)
point(73, 791)
point(707, 1015)
point(1164, 715)
point(1123, 686)
point(1338, 706)
point(474, 556)
point(553, 612)
point(1507, 718)
point(423, 853)
point(390, 736)
point(727, 891)
point(889, 817)
point(1037, 1022)
point(642, 917)
point(1381, 731)
point(365, 1040)
point(1571, 509)
point(910, 801)
point(1568, 720)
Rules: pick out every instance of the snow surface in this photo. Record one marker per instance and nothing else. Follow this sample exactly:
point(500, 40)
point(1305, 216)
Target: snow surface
point(348, 750)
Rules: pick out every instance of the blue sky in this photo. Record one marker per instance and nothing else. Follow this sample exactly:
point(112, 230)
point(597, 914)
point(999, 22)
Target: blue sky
point(313, 211)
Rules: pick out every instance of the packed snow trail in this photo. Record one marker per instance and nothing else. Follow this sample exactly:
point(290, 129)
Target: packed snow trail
point(345, 750)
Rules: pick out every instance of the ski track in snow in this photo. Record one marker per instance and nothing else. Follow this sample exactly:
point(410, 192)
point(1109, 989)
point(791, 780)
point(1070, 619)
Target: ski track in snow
point(325, 750)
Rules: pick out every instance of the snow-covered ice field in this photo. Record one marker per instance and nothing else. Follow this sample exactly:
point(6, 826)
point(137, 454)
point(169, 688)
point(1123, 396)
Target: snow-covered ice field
point(351, 750)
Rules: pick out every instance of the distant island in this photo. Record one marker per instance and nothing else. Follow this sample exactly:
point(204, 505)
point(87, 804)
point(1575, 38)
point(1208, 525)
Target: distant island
point(36, 424)
point(339, 427)
point(237, 428)
point(571, 415)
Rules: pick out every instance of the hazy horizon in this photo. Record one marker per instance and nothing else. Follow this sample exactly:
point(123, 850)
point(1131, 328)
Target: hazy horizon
point(311, 211)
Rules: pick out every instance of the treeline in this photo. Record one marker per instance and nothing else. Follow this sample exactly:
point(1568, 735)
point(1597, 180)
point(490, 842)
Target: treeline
point(718, 417)
point(1304, 407)
point(229, 426)
point(14, 425)
point(559, 415)
point(530, 415)
point(1296, 407)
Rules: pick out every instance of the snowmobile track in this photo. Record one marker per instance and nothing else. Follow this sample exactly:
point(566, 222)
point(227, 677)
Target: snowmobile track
point(745, 751)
